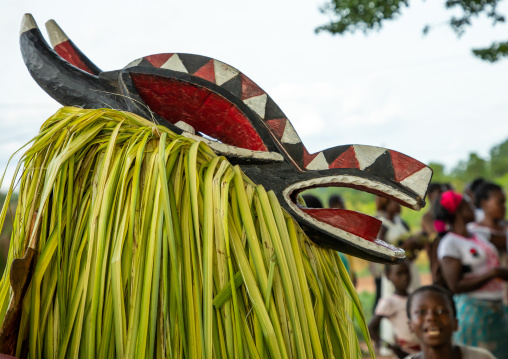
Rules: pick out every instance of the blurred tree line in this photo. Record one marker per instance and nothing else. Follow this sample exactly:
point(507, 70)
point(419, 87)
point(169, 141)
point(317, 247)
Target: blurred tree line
point(494, 167)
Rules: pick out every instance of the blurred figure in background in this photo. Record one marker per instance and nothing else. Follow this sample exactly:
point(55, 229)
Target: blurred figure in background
point(394, 231)
point(312, 201)
point(336, 201)
point(434, 230)
point(491, 199)
point(393, 308)
point(428, 228)
point(470, 193)
point(470, 265)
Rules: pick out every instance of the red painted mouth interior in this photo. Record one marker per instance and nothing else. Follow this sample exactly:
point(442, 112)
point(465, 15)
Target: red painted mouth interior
point(206, 111)
point(359, 224)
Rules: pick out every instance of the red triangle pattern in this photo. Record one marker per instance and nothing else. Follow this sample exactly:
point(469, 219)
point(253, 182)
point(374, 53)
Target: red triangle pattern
point(404, 166)
point(307, 157)
point(249, 88)
point(159, 59)
point(67, 52)
point(207, 72)
point(278, 126)
point(346, 160)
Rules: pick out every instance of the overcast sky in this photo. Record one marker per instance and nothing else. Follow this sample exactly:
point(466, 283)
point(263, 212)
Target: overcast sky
point(427, 97)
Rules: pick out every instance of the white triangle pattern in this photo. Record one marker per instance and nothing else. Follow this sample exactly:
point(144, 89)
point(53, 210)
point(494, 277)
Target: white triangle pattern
point(223, 72)
point(174, 63)
point(290, 136)
point(134, 63)
point(318, 163)
point(367, 155)
point(418, 181)
point(257, 104)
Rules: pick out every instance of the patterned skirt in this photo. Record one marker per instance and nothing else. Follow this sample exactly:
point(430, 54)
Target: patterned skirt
point(482, 323)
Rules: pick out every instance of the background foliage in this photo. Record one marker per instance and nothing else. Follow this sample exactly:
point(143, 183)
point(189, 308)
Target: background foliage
point(367, 15)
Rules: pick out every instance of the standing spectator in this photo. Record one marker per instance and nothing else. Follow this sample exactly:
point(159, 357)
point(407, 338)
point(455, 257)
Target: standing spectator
point(394, 231)
point(434, 232)
point(470, 266)
point(470, 193)
point(428, 228)
point(336, 201)
point(393, 308)
point(312, 201)
point(490, 198)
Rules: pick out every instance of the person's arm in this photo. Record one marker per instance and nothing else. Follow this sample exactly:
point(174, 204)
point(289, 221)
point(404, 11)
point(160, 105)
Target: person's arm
point(498, 239)
point(412, 245)
point(374, 324)
point(382, 232)
point(374, 335)
point(396, 349)
point(428, 224)
point(454, 276)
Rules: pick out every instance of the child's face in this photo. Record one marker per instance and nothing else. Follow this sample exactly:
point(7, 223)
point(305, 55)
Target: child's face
point(466, 211)
point(393, 207)
point(495, 205)
point(432, 319)
point(400, 277)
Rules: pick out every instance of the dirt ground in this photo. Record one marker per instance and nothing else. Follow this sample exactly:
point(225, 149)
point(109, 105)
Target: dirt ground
point(367, 283)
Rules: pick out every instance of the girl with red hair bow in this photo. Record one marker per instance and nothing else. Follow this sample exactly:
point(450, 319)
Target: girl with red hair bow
point(470, 266)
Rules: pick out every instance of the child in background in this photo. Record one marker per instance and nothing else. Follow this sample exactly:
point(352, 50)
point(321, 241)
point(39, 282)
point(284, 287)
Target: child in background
point(432, 318)
point(393, 308)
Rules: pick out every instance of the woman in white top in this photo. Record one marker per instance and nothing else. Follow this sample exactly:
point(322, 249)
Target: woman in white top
point(470, 266)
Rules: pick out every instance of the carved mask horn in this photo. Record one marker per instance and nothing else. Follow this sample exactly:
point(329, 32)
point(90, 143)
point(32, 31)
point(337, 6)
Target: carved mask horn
point(64, 47)
point(63, 81)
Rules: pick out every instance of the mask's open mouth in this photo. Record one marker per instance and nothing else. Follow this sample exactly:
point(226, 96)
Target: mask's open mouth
point(358, 224)
point(352, 227)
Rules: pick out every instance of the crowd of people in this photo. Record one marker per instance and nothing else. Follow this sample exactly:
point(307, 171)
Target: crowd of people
point(464, 313)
